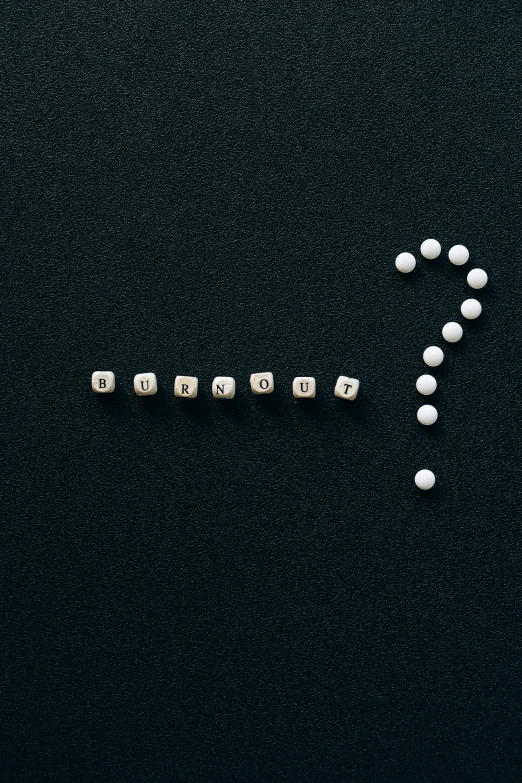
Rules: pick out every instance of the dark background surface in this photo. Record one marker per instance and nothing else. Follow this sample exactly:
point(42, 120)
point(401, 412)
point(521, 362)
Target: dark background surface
point(255, 590)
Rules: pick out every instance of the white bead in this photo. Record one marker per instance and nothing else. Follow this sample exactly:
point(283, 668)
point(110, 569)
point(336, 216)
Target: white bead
point(426, 384)
point(304, 387)
point(427, 414)
point(186, 386)
point(103, 381)
point(458, 255)
point(452, 332)
point(433, 356)
point(346, 388)
point(145, 383)
point(262, 382)
point(477, 278)
point(471, 309)
point(405, 262)
point(430, 248)
point(425, 479)
point(223, 387)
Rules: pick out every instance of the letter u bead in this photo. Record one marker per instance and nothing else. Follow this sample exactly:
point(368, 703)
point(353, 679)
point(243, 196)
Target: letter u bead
point(145, 383)
point(303, 387)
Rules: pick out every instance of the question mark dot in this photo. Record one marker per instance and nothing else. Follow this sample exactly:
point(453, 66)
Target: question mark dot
point(471, 309)
point(427, 415)
point(477, 278)
point(430, 248)
point(405, 262)
point(452, 332)
point(433, 356)
point(458, 255)
point(425, 479)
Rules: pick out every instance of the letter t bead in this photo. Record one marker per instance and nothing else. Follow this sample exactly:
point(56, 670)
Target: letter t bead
point(346, 388)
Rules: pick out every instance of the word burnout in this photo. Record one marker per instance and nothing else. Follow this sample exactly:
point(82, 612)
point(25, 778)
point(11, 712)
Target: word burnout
point(223, 387)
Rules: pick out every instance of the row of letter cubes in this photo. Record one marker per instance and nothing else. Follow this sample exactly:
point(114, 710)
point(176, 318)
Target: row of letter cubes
point(223, 387)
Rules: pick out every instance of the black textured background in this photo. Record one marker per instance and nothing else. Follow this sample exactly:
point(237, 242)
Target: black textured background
point(254, 590)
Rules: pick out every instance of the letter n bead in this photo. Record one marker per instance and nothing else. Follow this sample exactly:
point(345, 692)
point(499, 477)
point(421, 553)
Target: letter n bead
point(223, 388)
point(262, 382)
point(145, 383)
point(346, 388)
point(303, 387)
point(103, 382)
point(186, 386)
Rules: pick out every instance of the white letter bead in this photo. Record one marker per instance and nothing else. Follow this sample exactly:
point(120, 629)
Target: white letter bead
point(458, 255)
point(477, 278)
point(430, 248)
point(471, 309)
point(426, 384)
point(186, 386)
point(262, 382)
point(145, 383)
point(452, 332)
point(433, 356)
point(223, 387)
point(425, 479)
point(303, 387)
point(346, 388)
point(427, 414)
point(103, 381)
point(405, 262)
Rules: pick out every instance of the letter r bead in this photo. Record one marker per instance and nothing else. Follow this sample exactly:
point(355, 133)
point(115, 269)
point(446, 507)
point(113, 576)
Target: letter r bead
point(186, 386)
point(103, 382)
point(346, 388)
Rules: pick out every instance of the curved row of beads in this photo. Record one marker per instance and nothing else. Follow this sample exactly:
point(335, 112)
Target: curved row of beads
point(451, 332)
point(223, 387)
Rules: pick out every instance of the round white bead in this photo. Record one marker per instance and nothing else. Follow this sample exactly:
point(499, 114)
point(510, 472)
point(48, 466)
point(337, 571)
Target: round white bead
point(458, 255)
point(427, 414)
point(452, 332)
point(426, 384)
point(405, 262)
point(471, 308)
point(433, 356)
point(430, 248)
point(425, 479)
point(477, 278)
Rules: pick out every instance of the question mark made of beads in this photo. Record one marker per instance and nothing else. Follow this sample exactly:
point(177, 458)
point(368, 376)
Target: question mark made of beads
point(451, 332)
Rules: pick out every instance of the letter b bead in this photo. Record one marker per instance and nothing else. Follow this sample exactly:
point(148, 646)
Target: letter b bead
point(145, 383)
point(103, 382)
point(304, 387)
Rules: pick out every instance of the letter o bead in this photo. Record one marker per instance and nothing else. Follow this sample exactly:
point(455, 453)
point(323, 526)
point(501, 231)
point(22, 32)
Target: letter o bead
point(103, 382)
point(262, 382)
point(186, 386)
point(145, 383)
point(346, 388)
point(223, 388)
point(303, 387)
